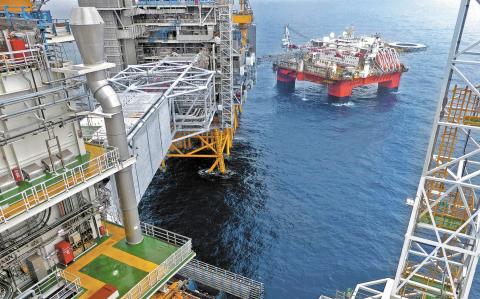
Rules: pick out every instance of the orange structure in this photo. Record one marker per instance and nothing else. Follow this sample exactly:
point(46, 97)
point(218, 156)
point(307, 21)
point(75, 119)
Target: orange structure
point(340, 88)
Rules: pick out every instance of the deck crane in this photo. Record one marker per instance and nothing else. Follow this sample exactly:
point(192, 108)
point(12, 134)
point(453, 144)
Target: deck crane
point(442, 243)
point(287, 42)
point(244, 18)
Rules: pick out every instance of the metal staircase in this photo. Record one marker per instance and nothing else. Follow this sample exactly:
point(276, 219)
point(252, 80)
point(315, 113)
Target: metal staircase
point(113, 49)
point(226, 62)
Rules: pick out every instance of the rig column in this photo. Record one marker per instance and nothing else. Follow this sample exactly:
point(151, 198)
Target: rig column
point(286, 79)
point(391, 85)
point(219, 143)
point(340, 89)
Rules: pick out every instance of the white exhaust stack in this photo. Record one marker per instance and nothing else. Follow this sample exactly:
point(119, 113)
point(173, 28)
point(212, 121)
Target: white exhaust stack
point(88, 28)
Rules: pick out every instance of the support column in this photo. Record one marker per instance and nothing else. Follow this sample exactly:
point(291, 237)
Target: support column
point(391, 85)
point(340, 90)
point(286, 79)
point(219, 147)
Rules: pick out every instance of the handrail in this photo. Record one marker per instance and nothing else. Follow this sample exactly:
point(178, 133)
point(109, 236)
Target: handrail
point(61, 278)
point(57, 185)
point(16, 60)
point(173, 261)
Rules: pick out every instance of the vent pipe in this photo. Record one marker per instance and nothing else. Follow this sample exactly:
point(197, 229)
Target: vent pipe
point(88, 28)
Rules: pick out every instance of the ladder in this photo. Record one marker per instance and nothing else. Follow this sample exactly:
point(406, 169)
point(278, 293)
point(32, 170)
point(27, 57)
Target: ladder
point(53, 146)
point(226, 61)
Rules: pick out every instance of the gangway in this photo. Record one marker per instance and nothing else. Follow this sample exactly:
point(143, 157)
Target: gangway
point(223, 280)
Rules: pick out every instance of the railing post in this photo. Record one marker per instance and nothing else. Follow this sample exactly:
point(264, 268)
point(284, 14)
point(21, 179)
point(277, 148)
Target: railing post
point(82, 174)
point(99, 165)
point(2, 216)
point(25, 201)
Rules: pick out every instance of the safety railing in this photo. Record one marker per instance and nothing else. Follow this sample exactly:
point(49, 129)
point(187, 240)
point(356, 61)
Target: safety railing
point(20, 60)
point(60, 26)
point(223, 280)
point(60, 183)
point(166, 267)
point(372, 289)
point(59, 284)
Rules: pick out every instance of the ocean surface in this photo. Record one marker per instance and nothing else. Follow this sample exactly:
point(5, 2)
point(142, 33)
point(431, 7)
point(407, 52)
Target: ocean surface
point(317, 199)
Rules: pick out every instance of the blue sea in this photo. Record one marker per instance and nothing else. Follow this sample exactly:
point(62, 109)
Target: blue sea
point(317, 199)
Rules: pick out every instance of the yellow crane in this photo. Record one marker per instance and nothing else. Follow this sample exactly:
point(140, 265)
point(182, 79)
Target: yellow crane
point(15, 6)
point(244, 18)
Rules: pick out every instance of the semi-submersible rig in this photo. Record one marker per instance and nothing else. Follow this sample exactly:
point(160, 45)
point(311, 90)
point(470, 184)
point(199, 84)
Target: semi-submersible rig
point(81, 142)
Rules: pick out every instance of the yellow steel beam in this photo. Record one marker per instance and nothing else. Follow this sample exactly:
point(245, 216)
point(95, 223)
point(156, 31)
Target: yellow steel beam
point(243, 19)
point(15, 6)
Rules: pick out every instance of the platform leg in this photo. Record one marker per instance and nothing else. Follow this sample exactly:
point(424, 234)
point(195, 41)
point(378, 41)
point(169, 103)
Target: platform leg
point(220, 147)
point(340, 90)
point(286, 80)
point(391, 85)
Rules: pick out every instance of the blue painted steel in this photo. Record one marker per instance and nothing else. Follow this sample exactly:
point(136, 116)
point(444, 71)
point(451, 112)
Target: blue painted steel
point(174, 2)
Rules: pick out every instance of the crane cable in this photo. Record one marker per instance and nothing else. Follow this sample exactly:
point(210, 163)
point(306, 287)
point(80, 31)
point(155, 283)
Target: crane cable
point(296, 32)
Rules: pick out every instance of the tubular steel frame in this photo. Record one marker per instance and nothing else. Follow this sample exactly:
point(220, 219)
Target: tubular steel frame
point(442, 243)
point(189, 90)
point(226, 62)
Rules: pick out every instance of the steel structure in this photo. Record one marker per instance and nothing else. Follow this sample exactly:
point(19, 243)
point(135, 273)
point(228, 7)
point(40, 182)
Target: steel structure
point(441, 248)
point(60, 192)
point(188, 88)
point(442, 242)
point(149, 30)
point(223, 280)
point(226, 62)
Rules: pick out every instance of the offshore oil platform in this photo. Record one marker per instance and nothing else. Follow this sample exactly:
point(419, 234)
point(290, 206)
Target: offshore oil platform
point(80, 143)
point(340, 62)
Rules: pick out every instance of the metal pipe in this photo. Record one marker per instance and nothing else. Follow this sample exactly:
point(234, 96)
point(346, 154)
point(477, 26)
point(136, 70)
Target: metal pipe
point(88, 27)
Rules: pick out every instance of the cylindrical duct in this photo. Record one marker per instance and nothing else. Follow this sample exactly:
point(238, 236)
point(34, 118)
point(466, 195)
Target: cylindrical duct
point(88, 27)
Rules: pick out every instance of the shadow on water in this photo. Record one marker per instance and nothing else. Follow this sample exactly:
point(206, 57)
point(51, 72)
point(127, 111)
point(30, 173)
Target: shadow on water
point(219, 214)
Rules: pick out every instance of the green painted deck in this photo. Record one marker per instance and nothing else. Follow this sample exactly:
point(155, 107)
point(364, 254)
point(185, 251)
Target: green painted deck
point(9, 197)
point(144, 250)
point(430, 283)
point(123, 266)
point(445, 222)
point(114, 272)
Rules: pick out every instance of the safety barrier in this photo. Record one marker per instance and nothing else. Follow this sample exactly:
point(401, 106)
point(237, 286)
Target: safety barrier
point(154, 278)
point(60, 183)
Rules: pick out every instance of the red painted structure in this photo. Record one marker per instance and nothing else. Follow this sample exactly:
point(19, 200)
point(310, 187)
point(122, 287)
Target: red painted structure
point(64, 252)
point(286, 78)
point(18, 44)
point(338, 88)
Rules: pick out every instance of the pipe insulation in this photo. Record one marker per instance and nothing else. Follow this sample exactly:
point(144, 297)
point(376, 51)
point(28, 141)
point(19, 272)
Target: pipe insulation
point(88, 29)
